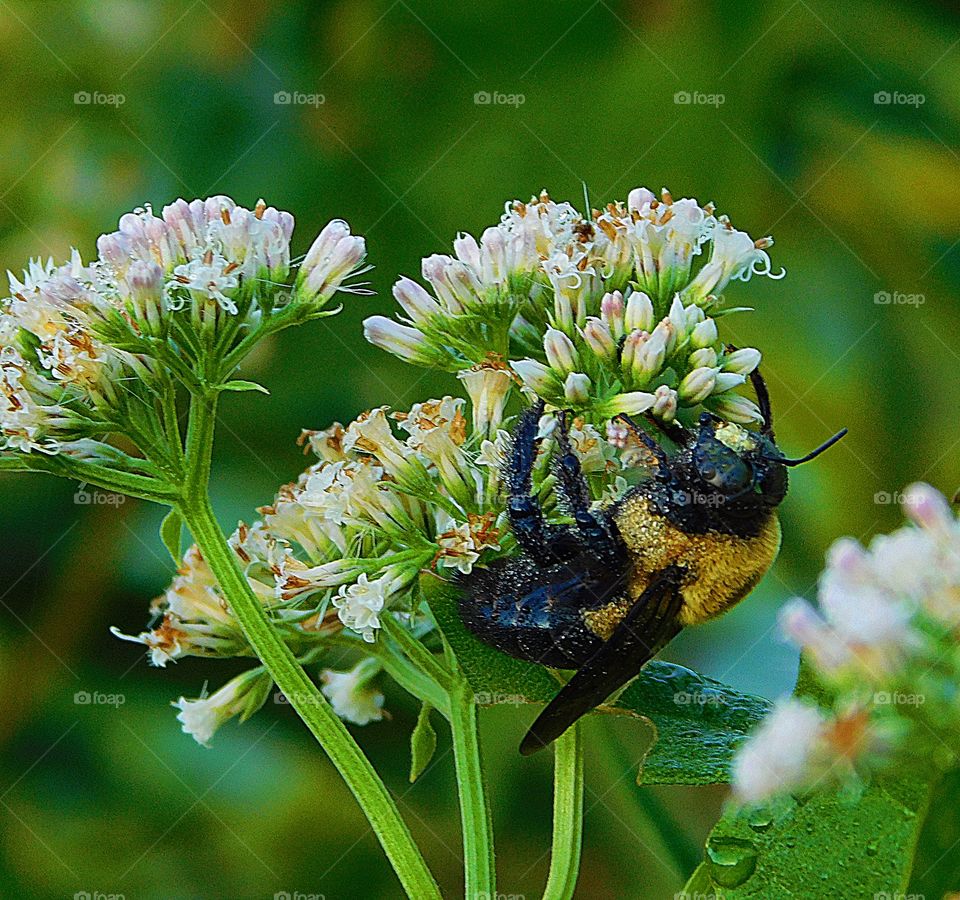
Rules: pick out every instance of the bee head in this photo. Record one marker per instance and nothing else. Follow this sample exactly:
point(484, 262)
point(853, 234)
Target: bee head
point(738, 463)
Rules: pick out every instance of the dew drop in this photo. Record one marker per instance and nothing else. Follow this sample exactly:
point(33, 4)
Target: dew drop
point(730, 861)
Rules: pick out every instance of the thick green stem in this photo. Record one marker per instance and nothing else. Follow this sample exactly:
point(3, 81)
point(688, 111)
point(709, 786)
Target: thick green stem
point(478, 859)
point(303, 694)
point(567, 816)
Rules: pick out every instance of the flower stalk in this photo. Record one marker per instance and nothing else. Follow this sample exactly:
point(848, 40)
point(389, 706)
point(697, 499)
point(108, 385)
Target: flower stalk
point(290, 677)
point(567, 816)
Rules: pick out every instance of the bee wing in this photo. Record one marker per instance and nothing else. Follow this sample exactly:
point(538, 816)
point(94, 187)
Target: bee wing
point(649, 625)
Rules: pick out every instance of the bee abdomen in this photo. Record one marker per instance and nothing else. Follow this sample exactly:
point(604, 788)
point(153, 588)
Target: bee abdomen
point(531, 612)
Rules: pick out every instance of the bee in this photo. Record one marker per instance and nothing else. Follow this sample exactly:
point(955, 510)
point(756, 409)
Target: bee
point(605, 594)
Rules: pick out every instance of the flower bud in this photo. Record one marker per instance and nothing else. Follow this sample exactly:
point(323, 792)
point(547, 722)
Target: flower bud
point(639, 313)
point(409, 344)
point(735, 408)
point(665, 403)
point(352, 694)
point(927, 507)
point(678, 316)
point(697, 385)
point(743, 362)
point(467, 250)
point(242, 696)
point(726, 381)
point(561, 354)
point(632, 404)
point(576, 389)
point(666, 328)
point(705, 357)
point(329, 261)
point(704, 334)
point(598, 338)
point(415, 301)
point(612, 314)
point(534, 375)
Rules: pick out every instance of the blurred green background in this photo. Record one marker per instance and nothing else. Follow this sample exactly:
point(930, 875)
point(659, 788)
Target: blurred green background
point(862, 196)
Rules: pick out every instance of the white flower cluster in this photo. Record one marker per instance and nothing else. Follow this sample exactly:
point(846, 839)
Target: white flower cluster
point(884, 646)
point(601, 314)
point(160, 290)
point(391, 495)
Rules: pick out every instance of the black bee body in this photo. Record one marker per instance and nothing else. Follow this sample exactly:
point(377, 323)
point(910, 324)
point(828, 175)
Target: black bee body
point(605, 594)
point(532, 608)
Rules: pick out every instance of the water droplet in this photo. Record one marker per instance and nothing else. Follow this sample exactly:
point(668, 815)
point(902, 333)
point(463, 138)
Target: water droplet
point(730, 861)
point(760, 820)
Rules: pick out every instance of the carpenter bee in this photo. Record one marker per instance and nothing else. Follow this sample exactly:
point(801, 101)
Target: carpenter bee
point(605, 594)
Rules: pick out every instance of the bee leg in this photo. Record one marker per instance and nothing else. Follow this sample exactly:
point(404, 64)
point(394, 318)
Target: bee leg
point(523, 510)
point(575, 494)
point(681, 436)
point(658, 452)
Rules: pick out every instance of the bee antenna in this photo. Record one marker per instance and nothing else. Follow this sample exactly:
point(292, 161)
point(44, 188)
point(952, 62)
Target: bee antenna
point(813, 454)
point(763, 402)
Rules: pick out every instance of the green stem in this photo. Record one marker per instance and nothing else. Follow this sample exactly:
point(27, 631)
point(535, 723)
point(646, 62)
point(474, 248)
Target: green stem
point(303, 694)
point(478, 858)
point(417, 653)
point(651, 815)
point(567, 816)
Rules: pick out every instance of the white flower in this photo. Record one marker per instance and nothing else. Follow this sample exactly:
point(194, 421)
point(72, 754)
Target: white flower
point(488, 386)
point(360, 604)
point(777, 757)
point(534, 375)
point(735, 255)
point(457, 547)
point(332, 258)
point(209, 275)
point(432, 417)
point(241, 696)
point(351, 694)
point(407, 343)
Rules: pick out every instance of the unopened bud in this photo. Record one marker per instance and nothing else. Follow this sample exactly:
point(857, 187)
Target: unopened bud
point(576, 389)
point(697, 385)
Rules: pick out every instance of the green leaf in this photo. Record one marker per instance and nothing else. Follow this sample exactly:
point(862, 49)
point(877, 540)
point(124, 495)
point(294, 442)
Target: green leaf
point(423, 743)
point(854, 845)
point(171, 530)
point(697, 722)
point(936, 870)
point(240, 385)
point(829, 844)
